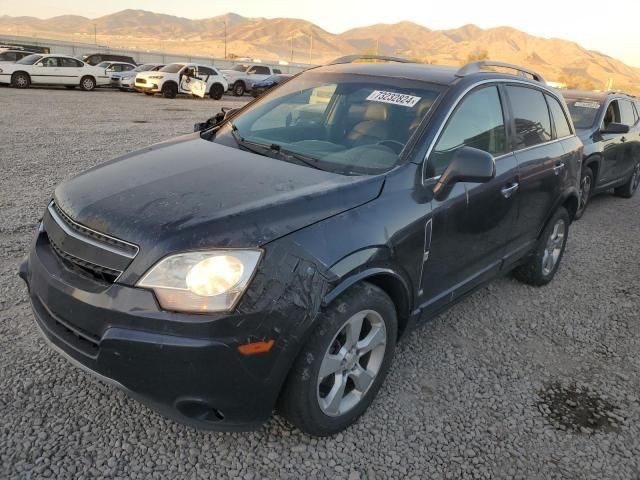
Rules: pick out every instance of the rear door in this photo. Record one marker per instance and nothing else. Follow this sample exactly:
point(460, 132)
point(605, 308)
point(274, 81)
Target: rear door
point(542, 161)
point(472, 228)
point(70, 70)
point(627, 161)
point(613, 146)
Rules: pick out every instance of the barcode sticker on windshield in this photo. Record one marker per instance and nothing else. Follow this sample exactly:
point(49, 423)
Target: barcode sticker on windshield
point(393, 98)
point(594, 105)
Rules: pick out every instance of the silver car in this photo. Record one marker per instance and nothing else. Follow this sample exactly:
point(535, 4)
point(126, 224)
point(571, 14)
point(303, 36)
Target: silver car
point(125, 80)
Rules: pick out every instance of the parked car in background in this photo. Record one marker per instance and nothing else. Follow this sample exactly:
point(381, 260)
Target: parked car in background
point(116, 67)
point(10, 56)
point(169, 80)
point(261, 265)
point(96, 58)
point(609, 126)
point(242, 77)
point(63, 70)
point(125, 80)
point(260, 87)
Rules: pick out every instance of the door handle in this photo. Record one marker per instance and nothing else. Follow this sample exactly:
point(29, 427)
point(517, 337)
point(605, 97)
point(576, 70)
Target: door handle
point(510, 190)
point(558, 168)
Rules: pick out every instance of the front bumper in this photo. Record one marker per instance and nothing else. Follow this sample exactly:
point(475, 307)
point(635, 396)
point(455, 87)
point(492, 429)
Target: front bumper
point(147, 87)
point(187, 367)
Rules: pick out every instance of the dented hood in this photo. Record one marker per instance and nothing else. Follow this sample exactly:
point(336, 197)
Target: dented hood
point(191, 193)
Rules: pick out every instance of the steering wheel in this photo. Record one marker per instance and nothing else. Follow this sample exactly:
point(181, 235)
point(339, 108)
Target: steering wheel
point(392, 144)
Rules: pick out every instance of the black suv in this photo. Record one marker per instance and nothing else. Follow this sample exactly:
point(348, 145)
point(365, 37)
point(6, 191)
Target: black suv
point(273, 260)
point(96, 58)
point(609, 126)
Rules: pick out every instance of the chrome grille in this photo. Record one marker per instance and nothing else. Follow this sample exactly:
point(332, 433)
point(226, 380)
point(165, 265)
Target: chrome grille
point(85, 251)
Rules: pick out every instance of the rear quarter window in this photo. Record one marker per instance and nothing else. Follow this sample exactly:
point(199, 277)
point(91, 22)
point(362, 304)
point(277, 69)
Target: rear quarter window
point(531, 116)
point(563, 129)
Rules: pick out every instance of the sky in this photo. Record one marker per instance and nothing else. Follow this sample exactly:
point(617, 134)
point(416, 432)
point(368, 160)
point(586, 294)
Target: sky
point(613, 30)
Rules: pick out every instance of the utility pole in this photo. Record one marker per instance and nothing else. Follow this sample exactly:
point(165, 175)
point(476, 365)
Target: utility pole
point(291, 47)
point(225, 39)
point(95, 34)
point(310, 43)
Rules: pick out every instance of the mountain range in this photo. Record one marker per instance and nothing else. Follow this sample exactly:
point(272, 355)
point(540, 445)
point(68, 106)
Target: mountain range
point(304, 42)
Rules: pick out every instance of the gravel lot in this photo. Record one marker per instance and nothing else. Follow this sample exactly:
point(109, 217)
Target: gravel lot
point(515, 382)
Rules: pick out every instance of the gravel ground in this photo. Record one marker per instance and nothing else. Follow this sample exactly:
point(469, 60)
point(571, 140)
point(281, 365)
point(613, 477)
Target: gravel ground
point(515, 382)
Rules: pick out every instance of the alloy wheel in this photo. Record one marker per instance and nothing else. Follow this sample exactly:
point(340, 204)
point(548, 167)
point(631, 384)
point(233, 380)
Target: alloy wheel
point(554, 247)
point(585, 191)
point(351, 363)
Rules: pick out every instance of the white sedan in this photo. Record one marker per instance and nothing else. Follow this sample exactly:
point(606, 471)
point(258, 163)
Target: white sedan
point(64, 70)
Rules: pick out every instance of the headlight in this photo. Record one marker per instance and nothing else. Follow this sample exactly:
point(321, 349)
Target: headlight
point(208, 281)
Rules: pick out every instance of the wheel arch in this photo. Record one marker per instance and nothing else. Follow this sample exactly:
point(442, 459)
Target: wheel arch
point(388, 280)
point(20, 71)
point(593, 162)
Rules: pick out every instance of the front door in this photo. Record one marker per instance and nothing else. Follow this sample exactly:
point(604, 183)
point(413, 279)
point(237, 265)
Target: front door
point(47, 71)
point(472, 227)
point(614, 148)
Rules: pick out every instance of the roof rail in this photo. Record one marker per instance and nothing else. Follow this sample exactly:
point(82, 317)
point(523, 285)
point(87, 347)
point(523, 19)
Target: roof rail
point(353, 58)
point(475, 67)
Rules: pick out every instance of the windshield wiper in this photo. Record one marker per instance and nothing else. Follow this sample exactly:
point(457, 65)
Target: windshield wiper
point(274, 148)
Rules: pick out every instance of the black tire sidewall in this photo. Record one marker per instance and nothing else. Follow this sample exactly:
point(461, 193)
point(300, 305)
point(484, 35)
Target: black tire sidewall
point(239, 89)
point(216, 92)
point(299, 402)
point(587, 172)
point(85, 88)
point(169, 90)
point(532, 272)
point(20, 74)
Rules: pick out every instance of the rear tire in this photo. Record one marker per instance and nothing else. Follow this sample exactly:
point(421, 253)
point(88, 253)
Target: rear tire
point(586, 188)
point(542, 266)
point(21, 80)
point(352, 345)
point(169, 90)
point(239, 89)
point(630, 188)
point(216, 91)
point(88, 84)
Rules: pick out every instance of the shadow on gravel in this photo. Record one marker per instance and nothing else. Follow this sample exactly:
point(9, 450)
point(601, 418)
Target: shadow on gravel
point(140, 121)
point(578, 409)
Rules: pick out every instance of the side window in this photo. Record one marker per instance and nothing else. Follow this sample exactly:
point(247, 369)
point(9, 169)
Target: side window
point(559, 118)
point(203, 71)
point(627, 115)
point(260, 70)
point(71, 63)
point(126, 68)
point(533, 124)
point(49, 62)
point(9, 57)
point(612, 114)
point(277, 71)
point(477, 122)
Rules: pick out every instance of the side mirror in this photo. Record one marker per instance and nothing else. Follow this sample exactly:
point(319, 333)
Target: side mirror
point(468, 165)
point(217, 119)
point(616, 129)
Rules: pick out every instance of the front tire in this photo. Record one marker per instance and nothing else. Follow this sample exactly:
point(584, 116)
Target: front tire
point(239, 89)
point(542, 266)
point(630, 188)
point(169, 90)
point(21, 80)
point(216, 91)
point(586, 188)
point(87, 84)
point(341, 368)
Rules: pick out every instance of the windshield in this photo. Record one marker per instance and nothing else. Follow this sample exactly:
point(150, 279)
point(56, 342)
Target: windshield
point(352, 124)
point(584, 111)
point(29, 60)
point(172, 68)
point(239, 68)
point(144, 68)
point(103, 64)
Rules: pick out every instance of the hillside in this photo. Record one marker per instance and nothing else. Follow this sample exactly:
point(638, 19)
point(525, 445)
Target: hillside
point(303, 41)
